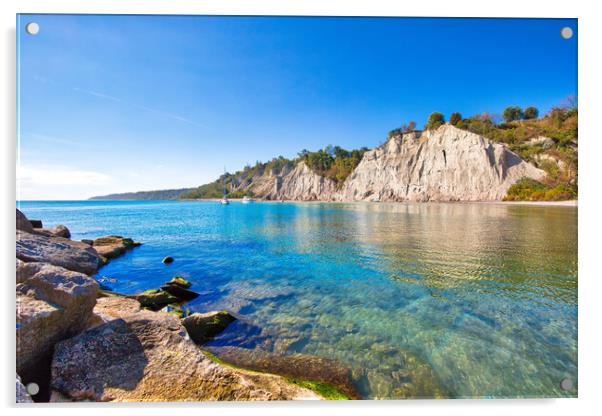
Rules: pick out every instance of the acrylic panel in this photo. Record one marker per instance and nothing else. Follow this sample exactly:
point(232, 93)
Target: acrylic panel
point(295, 208)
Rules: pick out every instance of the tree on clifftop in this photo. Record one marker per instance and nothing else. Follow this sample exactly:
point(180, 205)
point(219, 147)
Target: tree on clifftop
point(455, 118)
point(435, 120)
point(531, 113)
point(513, 113)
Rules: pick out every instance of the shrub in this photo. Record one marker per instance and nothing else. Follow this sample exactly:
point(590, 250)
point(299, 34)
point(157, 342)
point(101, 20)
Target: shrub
point(531, 113)
point(455, 118)
point(513, 113)
point(435, 120)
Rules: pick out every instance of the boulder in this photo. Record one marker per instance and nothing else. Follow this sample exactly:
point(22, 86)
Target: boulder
point(203, 326)
point(139, 355)
point(71, 255)
point(155, 299)
point(21, 392)
point(23, 223)
point(113, 246)
point(180, 281)
point(184, 295)
point(36, 224)
point(167, 260)
point(53, 303)
point(58, 231)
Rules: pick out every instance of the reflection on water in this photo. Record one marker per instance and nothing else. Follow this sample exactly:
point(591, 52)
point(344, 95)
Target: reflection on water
point(420, 300)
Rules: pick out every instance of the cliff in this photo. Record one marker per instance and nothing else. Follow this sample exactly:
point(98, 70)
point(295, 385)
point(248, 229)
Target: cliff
point(447, 164)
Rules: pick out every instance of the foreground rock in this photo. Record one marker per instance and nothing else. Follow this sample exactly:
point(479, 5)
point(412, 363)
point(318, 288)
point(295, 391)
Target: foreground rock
point(23, 223)
point(21, 392)
point(203, 326)
point(295, 366)
point(113, 246)
point(139, 355)
point(53, 304)
point(71, 255)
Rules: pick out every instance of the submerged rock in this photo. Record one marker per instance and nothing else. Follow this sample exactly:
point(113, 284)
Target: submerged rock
point(72, 255)
point(140, 355)
point(52, 304)
point(298, 366)
point(203, 326)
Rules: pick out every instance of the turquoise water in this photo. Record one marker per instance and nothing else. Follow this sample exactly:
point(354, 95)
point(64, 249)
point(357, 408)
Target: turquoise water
point(419, 300)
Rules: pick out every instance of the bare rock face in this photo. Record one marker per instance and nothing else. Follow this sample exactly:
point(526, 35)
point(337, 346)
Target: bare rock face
point(72, 255)
point(58, 231)
point(302, 184)
point(140, 355)
point(447, 164)
point(53, 303)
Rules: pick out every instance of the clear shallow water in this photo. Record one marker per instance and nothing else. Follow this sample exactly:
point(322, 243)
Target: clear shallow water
point(420, 300)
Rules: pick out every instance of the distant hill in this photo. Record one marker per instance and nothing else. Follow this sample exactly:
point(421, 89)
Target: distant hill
point(166, 194)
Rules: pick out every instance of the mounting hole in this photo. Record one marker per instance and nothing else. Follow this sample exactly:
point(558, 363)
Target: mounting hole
point(33, 389)
point(566, 384)
point(566, 32)
point(32, 28)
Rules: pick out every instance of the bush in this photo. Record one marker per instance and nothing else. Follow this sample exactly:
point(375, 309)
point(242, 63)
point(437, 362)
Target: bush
point(513, 113)
point(435, 120)
point(531, 113)
point(455, 118)
point(531, 190)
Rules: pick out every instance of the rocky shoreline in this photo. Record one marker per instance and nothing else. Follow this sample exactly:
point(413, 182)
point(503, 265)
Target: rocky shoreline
point(81, 342)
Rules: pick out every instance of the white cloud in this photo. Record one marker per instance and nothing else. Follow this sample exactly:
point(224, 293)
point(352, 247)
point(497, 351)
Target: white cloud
point(60, 182)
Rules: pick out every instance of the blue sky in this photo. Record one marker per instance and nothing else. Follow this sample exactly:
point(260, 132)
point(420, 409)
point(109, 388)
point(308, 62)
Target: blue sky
point(126, 103)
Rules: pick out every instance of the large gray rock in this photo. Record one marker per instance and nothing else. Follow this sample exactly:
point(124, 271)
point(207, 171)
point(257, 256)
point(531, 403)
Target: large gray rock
point(113, 246)
point(139, 355)
point(23, 223)
point(58, 231)
point(53, 303)
point(72, 255)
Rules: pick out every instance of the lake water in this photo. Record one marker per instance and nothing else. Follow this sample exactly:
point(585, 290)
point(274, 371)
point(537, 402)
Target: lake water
point(419, 300)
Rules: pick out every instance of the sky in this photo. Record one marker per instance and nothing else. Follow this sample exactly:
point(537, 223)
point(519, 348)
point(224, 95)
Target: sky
point(112, 104)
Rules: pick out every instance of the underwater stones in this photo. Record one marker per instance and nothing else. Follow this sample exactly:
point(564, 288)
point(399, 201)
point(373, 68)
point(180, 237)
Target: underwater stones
point(203, 326)
point(140, 355)
point(299, 366)
point(62, 252)
point(113, 246)
point(167, 260)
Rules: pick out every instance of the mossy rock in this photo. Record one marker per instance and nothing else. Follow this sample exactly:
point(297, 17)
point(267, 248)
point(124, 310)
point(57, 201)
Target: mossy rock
point(155, 299)
point(203, 326)
point(180, 281)
point(179, 292)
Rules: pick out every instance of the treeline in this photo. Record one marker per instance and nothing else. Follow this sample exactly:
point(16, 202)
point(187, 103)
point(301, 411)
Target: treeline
point(521, 129)
point(333, 162)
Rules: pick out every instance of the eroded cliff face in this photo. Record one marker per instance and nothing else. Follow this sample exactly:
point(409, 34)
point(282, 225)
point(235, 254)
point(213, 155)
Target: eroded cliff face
point(447, 164)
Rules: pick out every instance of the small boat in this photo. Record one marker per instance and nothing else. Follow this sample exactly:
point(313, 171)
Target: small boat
point(246, 200)
point(224, 200)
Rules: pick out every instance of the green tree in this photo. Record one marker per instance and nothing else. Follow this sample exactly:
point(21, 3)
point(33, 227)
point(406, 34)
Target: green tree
point(435, 120)
point(513, 113)
point(455, 118)
point(531, 113)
